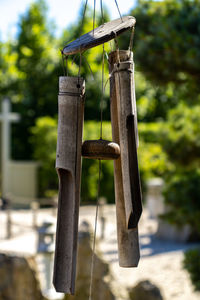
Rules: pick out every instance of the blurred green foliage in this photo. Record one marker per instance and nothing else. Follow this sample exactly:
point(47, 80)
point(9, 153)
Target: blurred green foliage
point(167, 52)
point(167, 70)
point(29, 70)
point(167, 40)
point(43, 140)
point(181, 137)
point(44, 145)
point(181, 142)
point(192, 264)
point(33, 93)
point(91, 63)
point(182, 194)
point(153, 101)
point(152, 160)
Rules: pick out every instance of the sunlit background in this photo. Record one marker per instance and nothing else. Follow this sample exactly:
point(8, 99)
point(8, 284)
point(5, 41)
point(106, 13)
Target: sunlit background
point(167, 68)
point(61, 12)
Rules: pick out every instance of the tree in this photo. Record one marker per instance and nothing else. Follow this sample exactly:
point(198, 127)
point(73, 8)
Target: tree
point(167, 41)
point(43, 140)
point(166, 51)
point(33, 82)
point(38, 63)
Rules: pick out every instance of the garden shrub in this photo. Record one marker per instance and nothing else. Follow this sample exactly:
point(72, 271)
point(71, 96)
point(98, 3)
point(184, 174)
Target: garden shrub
point(181, 137)
point(44, 150)
point(182, 196)
point(152, 160)
point(151, 132)
point(191, 263)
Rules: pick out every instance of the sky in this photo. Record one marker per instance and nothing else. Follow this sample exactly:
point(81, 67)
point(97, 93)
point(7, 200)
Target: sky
point(63, 12)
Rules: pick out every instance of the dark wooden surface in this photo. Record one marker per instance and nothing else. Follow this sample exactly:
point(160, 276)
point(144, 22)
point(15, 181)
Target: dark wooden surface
point(125, 94)
point(68, 165)
point(100, 35)
point(128, 244)
point(134, 173)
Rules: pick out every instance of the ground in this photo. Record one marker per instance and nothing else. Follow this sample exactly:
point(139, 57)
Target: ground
point(161, 261)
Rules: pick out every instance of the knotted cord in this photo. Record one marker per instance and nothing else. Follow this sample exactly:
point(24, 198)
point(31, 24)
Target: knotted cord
point(95, 233)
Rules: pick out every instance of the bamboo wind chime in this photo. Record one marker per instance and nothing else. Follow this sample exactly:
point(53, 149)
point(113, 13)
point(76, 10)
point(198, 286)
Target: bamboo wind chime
point(123, 150)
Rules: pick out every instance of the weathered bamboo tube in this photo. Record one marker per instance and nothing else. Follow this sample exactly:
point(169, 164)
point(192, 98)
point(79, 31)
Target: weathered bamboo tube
point(100, 149)
point(122, 101)
point(125, 94)
point(68, 165)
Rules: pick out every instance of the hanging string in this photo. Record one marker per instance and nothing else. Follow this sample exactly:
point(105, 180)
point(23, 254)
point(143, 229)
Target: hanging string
point(102, 15)
point(131, 40)
point(118, 10)
point(79, 70)
point(66, 60)
point(83, 18)
point(81, 29)
point(117, 47)
point(82, 23)
point(89, 67)
point(107, 80)
point(98, 190)
point(102, 93)
point(94, 15)
point(95, 232)
point(74, 58)
point(63, 63)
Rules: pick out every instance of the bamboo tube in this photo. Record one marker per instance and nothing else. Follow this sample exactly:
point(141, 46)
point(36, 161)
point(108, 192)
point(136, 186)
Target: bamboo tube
point(68, 165)
point(123, 106)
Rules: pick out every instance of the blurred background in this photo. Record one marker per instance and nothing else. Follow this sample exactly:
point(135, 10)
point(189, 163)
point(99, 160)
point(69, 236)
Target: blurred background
point(166, 50)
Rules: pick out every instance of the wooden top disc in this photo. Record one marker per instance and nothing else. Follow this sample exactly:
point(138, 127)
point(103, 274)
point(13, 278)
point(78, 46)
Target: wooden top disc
point(100, 35)
point(100, 149)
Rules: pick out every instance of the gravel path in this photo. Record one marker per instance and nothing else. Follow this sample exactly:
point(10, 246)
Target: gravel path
point(161, 261)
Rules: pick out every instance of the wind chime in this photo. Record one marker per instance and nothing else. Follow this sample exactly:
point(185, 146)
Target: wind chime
point(123, 150)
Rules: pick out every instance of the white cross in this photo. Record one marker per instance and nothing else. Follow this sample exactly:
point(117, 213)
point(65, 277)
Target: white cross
point(6, 117)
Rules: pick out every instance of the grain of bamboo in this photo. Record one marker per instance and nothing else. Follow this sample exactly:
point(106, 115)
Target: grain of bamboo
point(124, 131)
point(68, 165)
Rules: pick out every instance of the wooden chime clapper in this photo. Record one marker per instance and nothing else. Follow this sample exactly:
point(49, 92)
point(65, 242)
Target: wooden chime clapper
point(123, 150)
